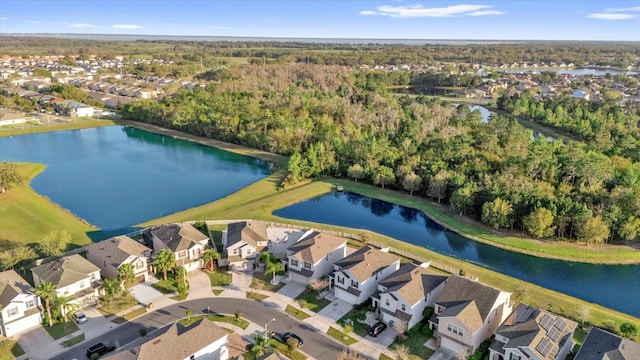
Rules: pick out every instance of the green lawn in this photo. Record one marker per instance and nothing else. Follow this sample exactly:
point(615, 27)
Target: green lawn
point(27, 217)
point(241, 323)
point(359, 328)
point(415, 343)
point(219, 277)
point(10, 349)
point(262, 282)
point(77, 123)
point(384, 357)
point(312, 302)
point(340, 336)
point(284, 349)
point(118, 305)
point(166, 286)
point(296, 313)
point(61, 329)
point(74, 340)
point(256, 296)
point(135, 313)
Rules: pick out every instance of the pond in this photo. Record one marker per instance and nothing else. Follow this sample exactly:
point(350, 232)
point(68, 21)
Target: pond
point(115, 177)
point(612, 286)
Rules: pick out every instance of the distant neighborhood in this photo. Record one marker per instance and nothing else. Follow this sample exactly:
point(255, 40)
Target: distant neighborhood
point(401, 293)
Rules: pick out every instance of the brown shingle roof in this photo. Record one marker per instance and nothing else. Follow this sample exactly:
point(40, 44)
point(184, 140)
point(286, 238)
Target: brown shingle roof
point(250, 232)
point(65, 271)
point(117, 249)
point(316, 246)
point(179, 342)
point(412, 282)
point(12, 285)
point(366, 262)
point(178, 237)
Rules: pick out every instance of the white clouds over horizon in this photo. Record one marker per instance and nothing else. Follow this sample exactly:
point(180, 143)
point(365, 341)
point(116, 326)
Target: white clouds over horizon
point(417, 11)
point(127, 26)
point(82, 25)
point(220, 27)
point(616, 14)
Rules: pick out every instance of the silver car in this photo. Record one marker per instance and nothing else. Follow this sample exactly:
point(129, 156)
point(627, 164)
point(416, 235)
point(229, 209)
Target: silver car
point(79, 318)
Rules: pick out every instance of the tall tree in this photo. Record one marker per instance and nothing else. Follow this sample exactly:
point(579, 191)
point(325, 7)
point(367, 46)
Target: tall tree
point(65, 306)
point(383, 175)
point(539, 223)
point(111, 288)
point(12, 257)
point(497, 213)
point(55, 243)
point(209, 258)
point(165, 261)
point(9, 176)
point(356, 172)
point(47, 292)
point(411, 182)
point(438, 185)
point(271, 264)
point(593, 231)
point(127, 275)
point(630, 229)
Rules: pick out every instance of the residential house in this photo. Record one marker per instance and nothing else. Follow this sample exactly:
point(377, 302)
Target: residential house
point(580, 94)
point(73, 276)
point(532, 333)
point(11, 118)
point(467, 313)
point(356, 276)
point(403, 295)
point(187, 242)
point(20, 307)
point(200, 340)
point(114, 252)
point(244, 239)
point(313, 256)
point(603, 345)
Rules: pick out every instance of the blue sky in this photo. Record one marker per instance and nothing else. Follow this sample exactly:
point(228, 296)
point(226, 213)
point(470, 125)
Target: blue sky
point(392, 19)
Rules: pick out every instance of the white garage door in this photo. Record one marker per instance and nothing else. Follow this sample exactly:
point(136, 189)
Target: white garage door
point(22, 325)
point(453, 345)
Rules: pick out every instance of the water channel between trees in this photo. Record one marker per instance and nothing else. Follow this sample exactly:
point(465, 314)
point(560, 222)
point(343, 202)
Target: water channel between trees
point(612, 286)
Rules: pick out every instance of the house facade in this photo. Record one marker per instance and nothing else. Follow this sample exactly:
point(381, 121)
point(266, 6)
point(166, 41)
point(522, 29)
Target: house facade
point(402, 296)
point(20, 305)
point(244, 239)
point(532, 333)
point(313, 256)
point(603, 345)
point(467, 313)
point(73, 276)
point(114, 252)
point(356, 276)
point(184, 240)
point(11, 118)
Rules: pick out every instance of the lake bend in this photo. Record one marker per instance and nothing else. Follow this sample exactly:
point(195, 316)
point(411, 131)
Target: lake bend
point(613, 286)
point(118, 176)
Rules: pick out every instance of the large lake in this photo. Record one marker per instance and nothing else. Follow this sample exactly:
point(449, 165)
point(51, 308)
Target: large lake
point(115, 177)
point(613, 286)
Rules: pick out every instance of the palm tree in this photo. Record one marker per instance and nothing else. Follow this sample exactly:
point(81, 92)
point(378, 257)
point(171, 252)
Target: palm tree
point(111, 287)
point(262, 345)
point(165, 261)
point(127, 275)
point(181, 274)
point(271, 264)
point(66, 307)
point(47, 292)
point(209, 258)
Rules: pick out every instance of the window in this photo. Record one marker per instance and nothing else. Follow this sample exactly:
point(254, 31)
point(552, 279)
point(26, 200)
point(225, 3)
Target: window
point(294, 262)
point(31, 303)
point(454, 329)
point(354, 284)
point(12, 311)
point(514, 357)
point(182, 254)
point(307, 265)
point(235, 252)
point(248, 251)
point(82, 285)
point(93, 276)
point(387, 302)
point(404, 307)
point(340, 280)
point(140, 264)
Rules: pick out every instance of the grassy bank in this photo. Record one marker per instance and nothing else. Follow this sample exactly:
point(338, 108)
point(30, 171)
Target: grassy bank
point(30, 128)
point(27, 216)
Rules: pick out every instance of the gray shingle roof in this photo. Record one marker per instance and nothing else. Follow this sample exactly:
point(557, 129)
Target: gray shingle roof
point(603, 345)
point(412, 282)
point(12, 285)
point(316, 246)
point(179, 342)
point(116, 250)
point(366, 262)
point(178, 237)
point(250, 232)
point(65, 271)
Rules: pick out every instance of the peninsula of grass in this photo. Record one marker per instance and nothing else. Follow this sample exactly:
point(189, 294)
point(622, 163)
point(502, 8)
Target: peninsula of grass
point(311, 301)
point(296, 313)
point(341, 336)
point(219, 278)
point(27, 216)
point(61, 329)
point(31, 128)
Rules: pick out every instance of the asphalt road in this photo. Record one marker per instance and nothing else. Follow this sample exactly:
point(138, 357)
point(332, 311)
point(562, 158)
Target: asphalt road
point(316, 344)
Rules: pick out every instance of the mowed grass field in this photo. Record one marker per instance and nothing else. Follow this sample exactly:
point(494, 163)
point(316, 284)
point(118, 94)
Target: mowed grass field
point(26, 216)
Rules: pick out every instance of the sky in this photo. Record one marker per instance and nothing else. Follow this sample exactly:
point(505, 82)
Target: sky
point(391, 19)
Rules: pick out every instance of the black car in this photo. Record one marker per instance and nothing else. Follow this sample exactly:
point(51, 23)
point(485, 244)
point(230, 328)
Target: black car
point(100, 349)
point(286, 336)
point(377, 328)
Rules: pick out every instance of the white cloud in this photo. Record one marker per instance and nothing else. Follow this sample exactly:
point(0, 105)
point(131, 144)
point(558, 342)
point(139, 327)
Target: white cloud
point(2, 18)
point(611, 16)
point(127, 26)
point(34, 22)
point(417, 10)
point(634, 8)
point(218, 27)
point(82, 25)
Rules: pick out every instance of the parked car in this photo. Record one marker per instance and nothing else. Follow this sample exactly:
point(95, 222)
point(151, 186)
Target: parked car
point(79, 318)
point(286, 336)
point(100, 349)
point(377, 328)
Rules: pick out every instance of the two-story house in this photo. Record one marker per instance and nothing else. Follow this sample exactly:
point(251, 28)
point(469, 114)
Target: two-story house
point(244, 239)
point(532, 333)
point(603, 345)
point(184, 240)
point(114, 252)
point(20, 307)
point(73, 276)
point(313, 256)
point(467, 313)
point(356, 276)
point(198, 341)
point(403, 295)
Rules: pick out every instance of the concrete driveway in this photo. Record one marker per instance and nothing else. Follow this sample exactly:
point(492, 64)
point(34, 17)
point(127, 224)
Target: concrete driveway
point(337, 309)
point(445, 354)
point(386, 337)
point(292, 289)
point(144, 293)
point(32, 340)
point(199, 284)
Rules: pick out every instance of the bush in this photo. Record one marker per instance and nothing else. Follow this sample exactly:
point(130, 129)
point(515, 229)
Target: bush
point(238, 314)
point(292, 344)
point(416, 329)
point(428, 312)
point(427, 331)
point(483, 351)
point(462, 272)
point(143, 332)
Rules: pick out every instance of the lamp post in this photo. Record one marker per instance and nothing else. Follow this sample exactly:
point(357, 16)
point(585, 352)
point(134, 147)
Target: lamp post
point(266, 331)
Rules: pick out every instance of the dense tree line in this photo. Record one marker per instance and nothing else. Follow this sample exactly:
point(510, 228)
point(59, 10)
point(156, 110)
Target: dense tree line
point(342, 123)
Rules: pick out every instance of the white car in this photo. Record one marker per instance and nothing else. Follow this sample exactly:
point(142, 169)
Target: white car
point(80, 318)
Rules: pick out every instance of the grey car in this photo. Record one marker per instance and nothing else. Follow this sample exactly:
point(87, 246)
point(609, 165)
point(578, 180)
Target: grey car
point(79, 318)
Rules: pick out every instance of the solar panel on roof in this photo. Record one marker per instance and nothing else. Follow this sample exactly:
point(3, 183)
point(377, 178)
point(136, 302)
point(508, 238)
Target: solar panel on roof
point(544, 346)
point(554, 333)
point(546, 322)
point(560, 324)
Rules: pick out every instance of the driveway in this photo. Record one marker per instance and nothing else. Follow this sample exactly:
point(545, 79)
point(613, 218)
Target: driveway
point(33, 340)
point(292, 289)
point(386, 337)
point(144, 293)
point(337, 309)
point(199, 285)
point(445, 354)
